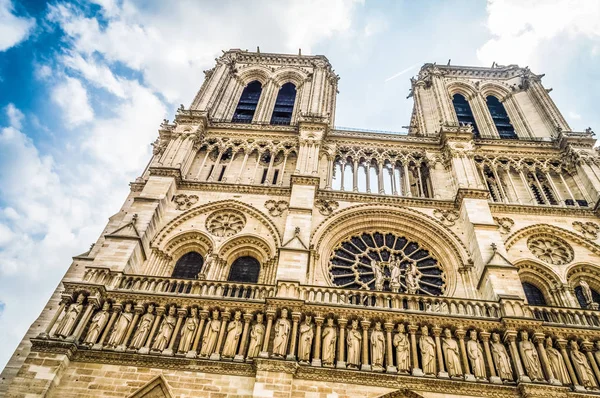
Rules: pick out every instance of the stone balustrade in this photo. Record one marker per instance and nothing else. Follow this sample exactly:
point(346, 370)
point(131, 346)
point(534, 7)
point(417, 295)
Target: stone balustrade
point(566, 316)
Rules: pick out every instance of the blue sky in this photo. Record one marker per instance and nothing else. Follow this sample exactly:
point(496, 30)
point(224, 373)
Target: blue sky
point(84, 86)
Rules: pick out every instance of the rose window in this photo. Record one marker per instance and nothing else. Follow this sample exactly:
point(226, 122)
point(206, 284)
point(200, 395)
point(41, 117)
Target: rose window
point(384, 261)
point(550, 249)
point(225, 223)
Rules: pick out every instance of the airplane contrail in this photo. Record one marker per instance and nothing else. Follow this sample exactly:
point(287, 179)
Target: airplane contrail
point(401, 72)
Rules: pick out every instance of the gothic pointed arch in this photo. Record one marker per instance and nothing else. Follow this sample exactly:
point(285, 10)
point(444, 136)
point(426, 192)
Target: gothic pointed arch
point(499, 91)
point(463, 88)
point(252, 246)
point(583, 271)
point(539, 275)
point(155, 388)
point(443, 244)
point(249, 74)
point(295, 75)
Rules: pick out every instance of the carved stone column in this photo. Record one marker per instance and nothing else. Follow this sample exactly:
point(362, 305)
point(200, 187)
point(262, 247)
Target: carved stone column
point(317, 341)
point(91, 305)
point(265, 349)
point(181, 313)
point(412, 330)
point(390, 368)
point(341, 361)
point(485, 338)
point(460, 336)
point(61, 307)
point(562, 346)
point(294, 337)
point(113, 317)
point(160, 311)
point(365, 324)
point(225, 315)
point(437, 331)
point(139, 310)
point(540, 339)
point(241, 355)
point(587, 347)
point(511, 337)
point(193, 353)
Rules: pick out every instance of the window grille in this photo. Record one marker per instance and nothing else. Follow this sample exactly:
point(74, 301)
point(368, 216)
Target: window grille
point(244, 269)
point(188, 266)
point(533, 294)
point(284, 105)
point(464, 113)
point(500, 118)
point(244, 113)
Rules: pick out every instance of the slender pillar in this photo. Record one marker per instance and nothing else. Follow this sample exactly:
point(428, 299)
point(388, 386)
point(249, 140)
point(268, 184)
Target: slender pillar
point(365, 324)
point(181, 313)
point(354, 175)
point(242, 350)
point(342, 169)
point(499, 182)
point(394, 185)
point(83, 321)
point(485, 338)
point(203, 163)
point(317, 341)
point(390, 368)
point(341, 362)
point(540, 339)
point(225, 315)
point(562, 346)
point(239, 177)
point(330, 166)
point(407, 191)
point(460, 336)
point(527, 187)
point(564, 182)
point(228, 168)
point(285, 157)
point(367, 167)
point(412, 330)
point(380, 186)
point(211, 176)
point(512, 184)
point(437, 332)
point(541, 188)
point(253, 177)
point(159, 314)
point(553, 186)
point(59, 311)
point(420, 178)
point(113, 317)
point(270, 169)
point(265, 349)
point(193, 353)
point(294, 337)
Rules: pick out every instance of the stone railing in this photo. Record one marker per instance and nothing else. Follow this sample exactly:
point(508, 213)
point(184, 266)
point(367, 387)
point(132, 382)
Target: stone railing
point(566, 316)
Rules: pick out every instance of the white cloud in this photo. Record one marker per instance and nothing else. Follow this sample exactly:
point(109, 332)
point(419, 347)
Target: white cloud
point(72, 98)
point(15, 116)
point(13, 29)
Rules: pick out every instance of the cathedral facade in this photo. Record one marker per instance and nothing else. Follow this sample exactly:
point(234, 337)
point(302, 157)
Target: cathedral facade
point(263, 252)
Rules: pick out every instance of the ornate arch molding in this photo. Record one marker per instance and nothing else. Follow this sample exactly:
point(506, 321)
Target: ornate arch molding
point(186, 242)
point(254, 72)
point(443, 244)
point(463, 88)
point(539, 229)
point(249, 211)
point(494, 89)
point(246, 245)
point(586, 271)
point(540, 276)
point(290, 74)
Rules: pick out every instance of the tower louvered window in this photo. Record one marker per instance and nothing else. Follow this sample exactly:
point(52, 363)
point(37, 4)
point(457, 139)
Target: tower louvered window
point(464, 113)
point(244, 113)
point(500, 118)
point(284, 105)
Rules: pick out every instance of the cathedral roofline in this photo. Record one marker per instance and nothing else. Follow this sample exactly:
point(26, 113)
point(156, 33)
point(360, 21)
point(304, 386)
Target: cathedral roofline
point(236, 54)
point(495, 71)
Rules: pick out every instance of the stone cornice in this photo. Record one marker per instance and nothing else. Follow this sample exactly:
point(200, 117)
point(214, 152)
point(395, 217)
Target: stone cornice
point(220, 125)
point(470, 193)
point(570, 211)
point(385, 199)
point(305, 180)
point(235, 188)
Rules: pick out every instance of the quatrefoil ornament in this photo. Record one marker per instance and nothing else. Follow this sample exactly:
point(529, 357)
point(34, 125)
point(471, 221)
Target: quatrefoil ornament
point(276, 207)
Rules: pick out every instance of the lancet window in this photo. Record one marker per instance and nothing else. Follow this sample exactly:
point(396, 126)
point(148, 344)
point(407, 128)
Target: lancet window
point(533, 294)
point(500, 118)
point(244, 112)
point(188, 266)
point(581, 296)
point(464, 112)
point(244, 269)
point(284, 105)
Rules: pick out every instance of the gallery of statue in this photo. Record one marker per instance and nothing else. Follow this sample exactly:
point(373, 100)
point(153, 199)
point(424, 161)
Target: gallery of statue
point(263, 252)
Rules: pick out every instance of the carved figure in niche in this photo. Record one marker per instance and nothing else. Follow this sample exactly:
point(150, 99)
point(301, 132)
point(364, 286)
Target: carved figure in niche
point(282, 333)
point(97, 324)
point(475, 354)
point(427, 346)
point(257, 335)
point(587, 292)
point(121, 327)
point(395, 273)
point(166, 330)
point(412, 279)
point(557, 363)
point(451, 354)
point(377, 274)
point(501, 359)
point(353, 341)
point(306, 338)
point(188, 331)
point(582, 367)
point(377, 348)
point(234, 331)
point(143, 328)
point(597, 352)
point(530, 358)
point(211, 334)
point(210, 259)
point(67, 323)
point(402, 350)
point(329, 340)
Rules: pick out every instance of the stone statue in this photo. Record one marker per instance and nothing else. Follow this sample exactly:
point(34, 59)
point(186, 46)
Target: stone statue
point(402, 350)
point(282, 334)
point(143, 329)
point(188, 331)
point(586, 291)
point(329, 340)
point(582, 367)
point(353, 341)
point(234, 331)
point(377, 348)
point(475, 354)
point(395, 273)
point(67, 323)
point(97, 324)
point(257, 335)
point(530, 358)
point(306, 337)
point(451, 354)
point(501, 359)
point(597, 352)
point(206, 268)
point(412, 279)
point(161, 341)
point(427, 345)
point(378, 274)
point(557, 363)
point(211, 334)
point(121, 326)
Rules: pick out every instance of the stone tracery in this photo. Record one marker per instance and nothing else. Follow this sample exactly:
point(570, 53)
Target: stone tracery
point(550, 249)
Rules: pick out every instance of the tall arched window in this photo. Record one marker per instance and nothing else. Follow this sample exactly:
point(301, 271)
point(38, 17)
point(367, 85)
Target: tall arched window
point(533, 294)
point(500, 117)
point(463, 112)
point(244, 269)
point(581, 297)
point(248, 102)
point(188, 266)
point(284, 105)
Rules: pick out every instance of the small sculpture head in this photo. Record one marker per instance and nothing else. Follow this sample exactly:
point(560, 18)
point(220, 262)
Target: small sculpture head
point(354, 324)
point(524, 335)
point(549, 341)
point(307, 319)
point(80, 298)
point(237, 316)
point(106, 306)
point(448, 333)
point(259, 317)
point(128, 307)
point(215, 315)
point(574, 345)
point(598, 344)
point(425, 331)
point(400, 328)
point(473, 335)
point(495, 337)
point(194, 311)
point(172, 310)
point(330, 322)
point(150, 308)
point(377, 325)
point(284, 313)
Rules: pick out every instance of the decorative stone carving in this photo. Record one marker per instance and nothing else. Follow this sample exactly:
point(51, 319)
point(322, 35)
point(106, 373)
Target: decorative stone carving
point(97, 325)
point(505, 224)
point(282, 333)
point(452, 355)
point(530, 358)
point(121, 327)
point(225, 223)
point(329, 343)
point(143, 328)
point(588, 229)
point(582, 367)
point(68, 321)
point(475, 354)
point(305, 342)
point(557, 363)
point(586, 292)
point(184, 202)
point(550, 249)
point(276, 207)
point(211, 334)
point(326, 207)
point(402, 350)
point(353, 342)
point(188, 331)
point(257, 335)
point(501, 359)
point(447, 217)
point(427, 346)
point(377, 348)
point(166, 330)
point(234, 331)
point(412, 279)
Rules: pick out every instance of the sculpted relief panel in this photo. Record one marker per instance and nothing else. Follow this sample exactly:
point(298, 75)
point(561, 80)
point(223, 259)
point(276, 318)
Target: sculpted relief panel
point(225, 223)
point(550, 249)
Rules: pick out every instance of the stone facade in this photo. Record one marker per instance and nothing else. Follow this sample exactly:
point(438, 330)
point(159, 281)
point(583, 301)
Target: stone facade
point(265, 253)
